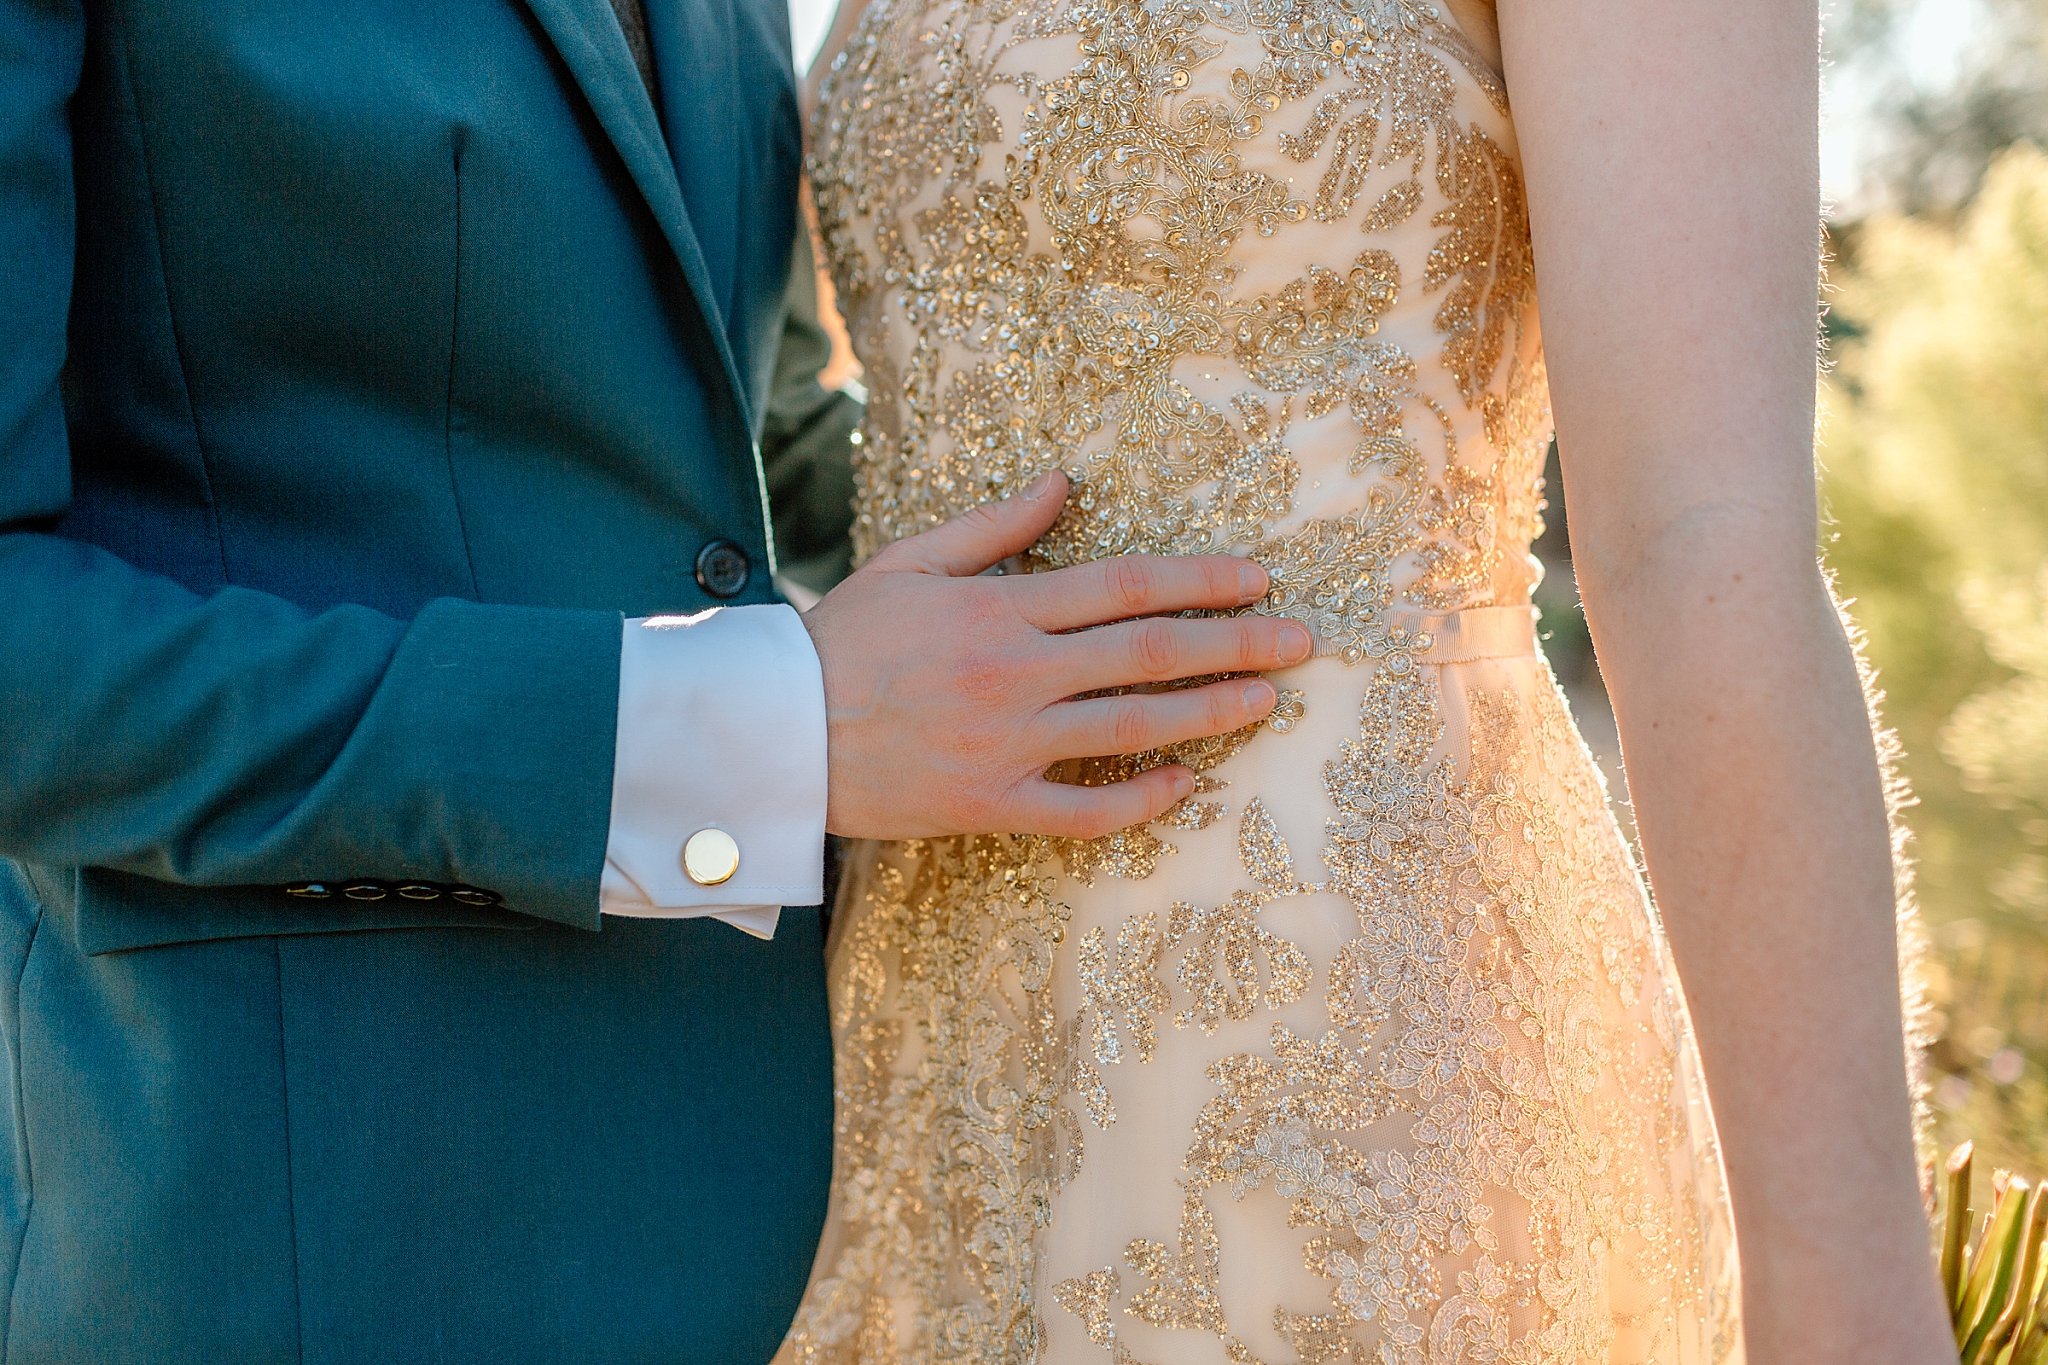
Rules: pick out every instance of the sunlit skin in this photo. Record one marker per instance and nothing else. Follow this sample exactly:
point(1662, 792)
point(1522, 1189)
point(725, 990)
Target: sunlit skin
point(1672, 175)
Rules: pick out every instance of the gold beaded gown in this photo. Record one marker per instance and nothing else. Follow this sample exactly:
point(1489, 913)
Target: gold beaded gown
point(1370, 1050)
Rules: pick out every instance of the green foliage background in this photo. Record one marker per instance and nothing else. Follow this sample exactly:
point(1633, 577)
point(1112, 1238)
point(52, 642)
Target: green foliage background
point(1934, 443)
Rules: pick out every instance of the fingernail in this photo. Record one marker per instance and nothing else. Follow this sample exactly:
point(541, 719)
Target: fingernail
point(1184, 783)
point(1259, 696)
point(1040, 486)
point(1295, 643)
point(1251, 581)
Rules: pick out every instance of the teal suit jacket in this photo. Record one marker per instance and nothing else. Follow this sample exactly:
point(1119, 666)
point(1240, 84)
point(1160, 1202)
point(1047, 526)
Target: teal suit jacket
point(361, 366)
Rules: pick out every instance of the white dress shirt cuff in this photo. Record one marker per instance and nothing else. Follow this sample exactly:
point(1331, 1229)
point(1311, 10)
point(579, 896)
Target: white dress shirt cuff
point(721, 726)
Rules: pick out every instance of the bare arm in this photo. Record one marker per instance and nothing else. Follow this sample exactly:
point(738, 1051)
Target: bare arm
point(1672, 181)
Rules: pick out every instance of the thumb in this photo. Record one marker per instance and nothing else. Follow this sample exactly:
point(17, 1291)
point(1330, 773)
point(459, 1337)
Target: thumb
point(989, 534)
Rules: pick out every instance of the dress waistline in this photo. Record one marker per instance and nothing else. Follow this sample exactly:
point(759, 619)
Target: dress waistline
point(1447, 637)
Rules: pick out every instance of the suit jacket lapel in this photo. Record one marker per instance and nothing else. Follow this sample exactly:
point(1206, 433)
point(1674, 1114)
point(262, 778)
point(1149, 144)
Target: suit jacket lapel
point(729, 107)
point(695, 50)
point(594, 49)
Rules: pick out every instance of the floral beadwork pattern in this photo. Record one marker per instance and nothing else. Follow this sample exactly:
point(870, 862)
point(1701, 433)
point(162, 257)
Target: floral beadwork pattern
point(1257, 275)
point(1040, 292)
point(1492, 925)
point(942, 1173)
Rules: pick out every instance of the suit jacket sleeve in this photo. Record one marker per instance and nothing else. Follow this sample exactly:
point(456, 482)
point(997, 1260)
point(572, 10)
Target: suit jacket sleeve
point(807, 440)
point(238, 739)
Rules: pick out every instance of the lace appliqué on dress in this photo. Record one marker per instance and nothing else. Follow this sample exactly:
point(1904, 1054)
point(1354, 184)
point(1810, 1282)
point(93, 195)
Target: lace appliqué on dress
point(1457, 1104)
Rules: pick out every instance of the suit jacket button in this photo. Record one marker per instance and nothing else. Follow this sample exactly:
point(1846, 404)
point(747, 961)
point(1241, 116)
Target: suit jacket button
point(470, 895)
point(711, 856)
point(723, 569)
point(366, 891)
point(310, 891)
point(419, 891)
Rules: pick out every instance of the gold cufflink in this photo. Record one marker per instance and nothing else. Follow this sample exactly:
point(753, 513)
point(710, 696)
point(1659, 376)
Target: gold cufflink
point(711, 856)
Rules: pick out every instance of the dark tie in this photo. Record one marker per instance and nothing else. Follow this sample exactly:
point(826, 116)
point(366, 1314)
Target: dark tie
point(633, 21)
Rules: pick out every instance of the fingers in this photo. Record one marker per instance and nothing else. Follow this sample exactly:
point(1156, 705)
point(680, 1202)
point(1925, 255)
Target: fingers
point(1137, 722)
point(1165, 648)
point(986, 535)
point(1070, 812)
point(1138, 585)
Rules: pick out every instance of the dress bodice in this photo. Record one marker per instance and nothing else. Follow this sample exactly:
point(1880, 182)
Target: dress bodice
point(1256, 273)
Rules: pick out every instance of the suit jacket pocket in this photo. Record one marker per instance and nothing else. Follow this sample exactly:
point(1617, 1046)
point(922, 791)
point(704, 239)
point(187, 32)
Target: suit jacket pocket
point(114, 912)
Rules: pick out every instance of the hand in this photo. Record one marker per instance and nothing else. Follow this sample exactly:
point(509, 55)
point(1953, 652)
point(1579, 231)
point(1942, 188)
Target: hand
point(947, 696)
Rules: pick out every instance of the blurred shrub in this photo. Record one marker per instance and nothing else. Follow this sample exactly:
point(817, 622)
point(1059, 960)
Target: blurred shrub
point(1935, 457)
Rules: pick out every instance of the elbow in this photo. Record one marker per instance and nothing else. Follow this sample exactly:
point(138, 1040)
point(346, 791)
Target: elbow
point(1699, 555)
